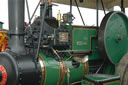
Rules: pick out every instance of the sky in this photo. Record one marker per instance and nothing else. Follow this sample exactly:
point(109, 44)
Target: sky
point(89, 15)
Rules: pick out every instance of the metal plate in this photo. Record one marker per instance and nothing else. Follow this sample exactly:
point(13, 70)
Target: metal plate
point(113, 36)
point(82, 39)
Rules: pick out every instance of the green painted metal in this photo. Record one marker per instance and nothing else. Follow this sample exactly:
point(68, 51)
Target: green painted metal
point(116, 36)
point(68, 26)
point(52, 71)
point(113, 83)
point(89, 83)
point(101, 79)
point(109, 68)
point(95, 55)
point(76, 74)
point(82, 39)
point(1, 25)
point(84, 82)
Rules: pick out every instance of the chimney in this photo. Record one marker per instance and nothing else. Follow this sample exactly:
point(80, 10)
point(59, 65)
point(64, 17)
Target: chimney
point(16, 26)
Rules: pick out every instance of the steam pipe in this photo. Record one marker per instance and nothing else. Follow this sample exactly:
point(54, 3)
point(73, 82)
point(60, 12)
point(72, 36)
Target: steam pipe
point(16, 26)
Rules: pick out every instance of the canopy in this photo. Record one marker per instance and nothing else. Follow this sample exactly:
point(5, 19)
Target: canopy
point(92, 3)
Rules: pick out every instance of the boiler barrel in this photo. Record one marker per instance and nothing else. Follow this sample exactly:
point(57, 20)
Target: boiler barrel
point(59, 73)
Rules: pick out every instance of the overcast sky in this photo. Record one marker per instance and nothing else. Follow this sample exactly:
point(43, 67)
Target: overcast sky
point(88, 14)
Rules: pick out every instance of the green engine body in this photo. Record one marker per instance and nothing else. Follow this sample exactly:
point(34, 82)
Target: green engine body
point(97, 52)
point(84, 41)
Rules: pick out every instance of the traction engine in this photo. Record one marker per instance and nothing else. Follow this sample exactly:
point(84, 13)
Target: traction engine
point(50, 52)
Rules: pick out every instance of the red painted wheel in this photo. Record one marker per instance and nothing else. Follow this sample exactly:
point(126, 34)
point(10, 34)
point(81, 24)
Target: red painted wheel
point(3, 75)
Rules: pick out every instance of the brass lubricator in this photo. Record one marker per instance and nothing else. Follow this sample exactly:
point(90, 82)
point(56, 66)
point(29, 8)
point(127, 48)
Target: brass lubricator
point(59, 17)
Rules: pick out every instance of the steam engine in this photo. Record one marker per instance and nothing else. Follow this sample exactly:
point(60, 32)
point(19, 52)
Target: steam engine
point(50, 52)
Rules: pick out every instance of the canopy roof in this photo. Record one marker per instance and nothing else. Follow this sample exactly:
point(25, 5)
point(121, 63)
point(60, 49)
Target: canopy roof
point(92, 3)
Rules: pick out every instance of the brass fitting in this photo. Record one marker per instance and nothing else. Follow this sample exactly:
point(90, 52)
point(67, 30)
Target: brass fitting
point(59, 17)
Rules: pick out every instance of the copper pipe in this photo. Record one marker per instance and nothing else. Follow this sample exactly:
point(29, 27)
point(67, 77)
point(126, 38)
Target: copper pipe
point(42, 1)
point(50, 2)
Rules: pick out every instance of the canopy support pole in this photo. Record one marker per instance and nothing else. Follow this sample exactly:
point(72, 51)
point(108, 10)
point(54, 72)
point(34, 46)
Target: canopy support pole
point(122, 6)
point(97, 13)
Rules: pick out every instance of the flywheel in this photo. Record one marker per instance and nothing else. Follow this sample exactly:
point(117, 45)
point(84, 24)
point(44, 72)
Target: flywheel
point(113, 36)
